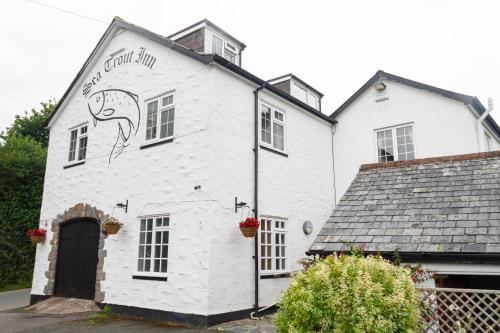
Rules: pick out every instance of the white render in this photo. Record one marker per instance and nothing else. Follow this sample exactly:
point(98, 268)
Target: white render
point(442, 126)
point(210, 263)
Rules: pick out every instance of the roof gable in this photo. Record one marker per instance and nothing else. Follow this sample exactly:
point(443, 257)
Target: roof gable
point(435, 206)
point(466, 99)
point(118, 23)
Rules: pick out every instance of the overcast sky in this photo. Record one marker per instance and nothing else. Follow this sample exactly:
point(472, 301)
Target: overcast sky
point(334, 46)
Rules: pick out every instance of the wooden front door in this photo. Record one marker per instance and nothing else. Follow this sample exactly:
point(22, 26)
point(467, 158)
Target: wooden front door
point(77, 259)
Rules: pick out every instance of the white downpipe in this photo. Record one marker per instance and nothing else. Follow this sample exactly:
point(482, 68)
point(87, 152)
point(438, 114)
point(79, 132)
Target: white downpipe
point(480, 121)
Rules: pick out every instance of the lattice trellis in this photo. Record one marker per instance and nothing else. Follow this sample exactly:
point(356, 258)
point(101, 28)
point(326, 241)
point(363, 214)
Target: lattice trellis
point(461, 310)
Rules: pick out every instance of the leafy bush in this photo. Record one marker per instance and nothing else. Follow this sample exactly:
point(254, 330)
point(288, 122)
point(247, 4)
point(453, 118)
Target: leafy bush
point(350, 294)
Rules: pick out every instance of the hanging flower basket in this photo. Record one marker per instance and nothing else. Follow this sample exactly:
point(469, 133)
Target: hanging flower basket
point(36, 235)
point(111, 225)
point(249, 227)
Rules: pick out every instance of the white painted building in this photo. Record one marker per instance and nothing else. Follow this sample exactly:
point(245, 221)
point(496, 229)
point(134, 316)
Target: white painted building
point(178, 132)
point(420, 120)
point(172, 132)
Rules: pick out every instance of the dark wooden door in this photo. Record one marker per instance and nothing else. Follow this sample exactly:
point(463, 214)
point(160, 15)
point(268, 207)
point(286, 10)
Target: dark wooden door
point(77, 259)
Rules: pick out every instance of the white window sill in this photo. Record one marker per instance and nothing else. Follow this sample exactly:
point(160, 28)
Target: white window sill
point(74, 164)
point(152, 276)
point(275, 275)
point(273, 150)
point(153, 143)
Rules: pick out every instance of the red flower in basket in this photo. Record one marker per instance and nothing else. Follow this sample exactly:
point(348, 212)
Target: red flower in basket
point(36, 235)
point(249, 227)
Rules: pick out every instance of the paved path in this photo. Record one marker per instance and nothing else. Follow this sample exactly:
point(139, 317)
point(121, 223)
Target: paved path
point(14, 299)
point(22, 321)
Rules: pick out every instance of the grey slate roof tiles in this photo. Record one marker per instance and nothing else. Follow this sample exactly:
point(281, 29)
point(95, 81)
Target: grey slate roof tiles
point(447, 204)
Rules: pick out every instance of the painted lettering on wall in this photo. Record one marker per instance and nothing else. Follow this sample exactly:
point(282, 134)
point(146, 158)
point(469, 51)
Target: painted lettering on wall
point(119, 59)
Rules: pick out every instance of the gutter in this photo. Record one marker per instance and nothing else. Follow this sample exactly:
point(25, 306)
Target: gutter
point(480, 121)
point(256, 198)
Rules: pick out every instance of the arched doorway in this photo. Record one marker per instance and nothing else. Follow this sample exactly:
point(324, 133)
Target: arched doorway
point(77, 258)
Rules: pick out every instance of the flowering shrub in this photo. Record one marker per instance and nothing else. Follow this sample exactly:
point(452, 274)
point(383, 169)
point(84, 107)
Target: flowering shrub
point(111, 221)
point(350, 294)
point(250, 222)
point(36, 232)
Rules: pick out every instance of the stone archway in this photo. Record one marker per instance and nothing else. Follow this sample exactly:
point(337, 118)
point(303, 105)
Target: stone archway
point(78, 211)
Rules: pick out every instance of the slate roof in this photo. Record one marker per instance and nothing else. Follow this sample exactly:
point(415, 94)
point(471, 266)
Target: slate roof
point(473, 101)
point(425, 208)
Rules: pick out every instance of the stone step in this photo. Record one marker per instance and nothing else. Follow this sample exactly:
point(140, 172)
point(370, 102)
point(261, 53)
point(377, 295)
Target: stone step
point(61, 305)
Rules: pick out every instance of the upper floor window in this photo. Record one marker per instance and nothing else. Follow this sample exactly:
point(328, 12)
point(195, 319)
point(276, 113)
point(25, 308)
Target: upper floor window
point(78, 143)
point(305, 95)
point(487, 141)
point(153, 245)
point(273, 127)
point(224, 49)
point(273, 252)
point(395, 144)
point(160, 118)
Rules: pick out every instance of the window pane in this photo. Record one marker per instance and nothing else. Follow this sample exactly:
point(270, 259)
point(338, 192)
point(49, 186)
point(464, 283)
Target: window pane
point(164, 266)
point(166, 221)
point(150, 224)
point(147, 265)
point(158, 222)
point(266, 124)
point(278, 136)
point(164, 251)
point(142, 238)
point(149, 237)
point(216, 45)
point(165, 237)
point(141, 251)
point(157, 251)
point(405, 143)
point(151, 120)
point(72, 145)
point(167, 100)
point(140, 265)
point(157, 265)
point(384, 146)
point(158, 237)
point(148, 251)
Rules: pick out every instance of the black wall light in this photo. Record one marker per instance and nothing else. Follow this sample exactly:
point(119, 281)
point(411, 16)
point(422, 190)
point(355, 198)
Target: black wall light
point(123, 205)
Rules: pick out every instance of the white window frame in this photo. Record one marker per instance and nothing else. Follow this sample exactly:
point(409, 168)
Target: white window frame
point(161, 108)
point(393, 130)
point(79, 136)
point(225, 48)
point(152, 258)
point(308, 94)
point(274, 255)
point(283, 123)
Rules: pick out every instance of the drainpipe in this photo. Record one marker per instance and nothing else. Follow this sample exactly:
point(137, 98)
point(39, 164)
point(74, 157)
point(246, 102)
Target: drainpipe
point(256, 196)
point(480, 121)
point(334, 128)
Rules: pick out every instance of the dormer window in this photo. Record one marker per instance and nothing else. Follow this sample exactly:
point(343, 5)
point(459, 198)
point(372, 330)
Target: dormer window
point(206, 37)
point(224, 48)
point(294, 86)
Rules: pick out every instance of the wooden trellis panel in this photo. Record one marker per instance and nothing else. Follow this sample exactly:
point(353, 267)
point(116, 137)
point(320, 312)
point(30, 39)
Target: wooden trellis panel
point(461, 310)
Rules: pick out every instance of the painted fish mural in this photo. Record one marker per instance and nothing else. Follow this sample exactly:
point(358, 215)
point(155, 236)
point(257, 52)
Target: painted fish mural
point(120, 106)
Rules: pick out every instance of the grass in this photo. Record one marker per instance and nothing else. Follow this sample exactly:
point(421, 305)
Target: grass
point(100, 316)
point(23, 284)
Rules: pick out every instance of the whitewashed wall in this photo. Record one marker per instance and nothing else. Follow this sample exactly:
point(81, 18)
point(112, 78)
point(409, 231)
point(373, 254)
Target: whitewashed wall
point(442, 126)
point(155, 180)
point(298, 187)
point(210, 263)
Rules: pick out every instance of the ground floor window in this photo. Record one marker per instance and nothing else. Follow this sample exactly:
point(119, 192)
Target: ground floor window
point(153, 245)
point(273, 252)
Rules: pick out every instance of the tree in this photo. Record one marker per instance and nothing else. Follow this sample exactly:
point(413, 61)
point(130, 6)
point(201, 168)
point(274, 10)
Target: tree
point(23, 153)
point(32, 124)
